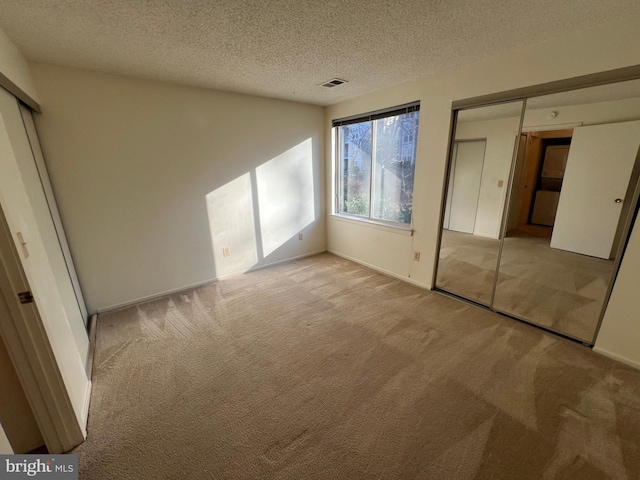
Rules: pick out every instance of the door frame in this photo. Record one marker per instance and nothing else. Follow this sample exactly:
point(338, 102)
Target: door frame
point(28, 346)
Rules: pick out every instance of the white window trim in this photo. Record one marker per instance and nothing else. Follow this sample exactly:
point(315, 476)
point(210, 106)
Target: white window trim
point(368, 221)
point(398, 228)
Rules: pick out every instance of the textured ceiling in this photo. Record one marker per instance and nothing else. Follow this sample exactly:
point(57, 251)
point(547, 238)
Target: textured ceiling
point(285, 48)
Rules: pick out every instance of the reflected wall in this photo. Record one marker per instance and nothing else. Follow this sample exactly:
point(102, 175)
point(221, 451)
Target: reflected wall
point(558, 256)
point(479, 167)
point(544, 249)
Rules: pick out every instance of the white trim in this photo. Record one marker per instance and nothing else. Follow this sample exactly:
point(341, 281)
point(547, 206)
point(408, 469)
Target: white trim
point(548, 128)
point(16, 91)
point(172, 291)
point(255, 268)
point(382, 270)
point(153, 296)
point(366, 222)
point(273, 264)
point(85, 408)
point(615, 356)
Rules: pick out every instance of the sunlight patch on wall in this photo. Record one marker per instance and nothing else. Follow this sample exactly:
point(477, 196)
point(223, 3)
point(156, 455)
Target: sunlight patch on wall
point(285, 195)
point(232, 226)
point(257, 213)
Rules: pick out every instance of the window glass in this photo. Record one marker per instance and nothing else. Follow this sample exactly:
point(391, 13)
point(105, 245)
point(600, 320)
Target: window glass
point(376, 165)
point(355, 141)
point(394, 166)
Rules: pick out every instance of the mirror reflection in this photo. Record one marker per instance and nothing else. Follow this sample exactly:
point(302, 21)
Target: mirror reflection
point(572, 174)
point(479, 168)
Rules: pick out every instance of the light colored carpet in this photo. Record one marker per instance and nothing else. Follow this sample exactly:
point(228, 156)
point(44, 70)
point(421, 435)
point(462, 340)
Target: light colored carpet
point(323, 369)
point(554, 288)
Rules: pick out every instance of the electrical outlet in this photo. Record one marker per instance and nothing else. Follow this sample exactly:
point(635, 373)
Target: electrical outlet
point(300, 236)
point(226, 251)
point(416, 256)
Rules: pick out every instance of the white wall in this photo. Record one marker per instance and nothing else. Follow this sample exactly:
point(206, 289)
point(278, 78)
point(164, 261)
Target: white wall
point(144, 171)
point(611, 46)
point(587, 114)
point(14, 66)
point(608, 47)
point(500, 135)
point(619, 335)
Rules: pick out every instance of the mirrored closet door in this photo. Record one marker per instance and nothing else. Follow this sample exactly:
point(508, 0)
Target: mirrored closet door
point(481, 158)
point(564, 216)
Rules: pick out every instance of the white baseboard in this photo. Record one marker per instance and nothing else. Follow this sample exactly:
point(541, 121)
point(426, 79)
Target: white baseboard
point(382, 270)
point(155, 296)
point(271, 264)
point(619, 358)
point(266, 265)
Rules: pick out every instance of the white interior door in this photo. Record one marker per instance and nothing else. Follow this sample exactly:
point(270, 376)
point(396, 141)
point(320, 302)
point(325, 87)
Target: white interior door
point(72, 292)
point(597, 175)
point(31, 230)
point(19, 158)
point(465, 185)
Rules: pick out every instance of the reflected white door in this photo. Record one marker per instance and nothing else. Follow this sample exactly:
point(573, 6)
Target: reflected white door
point(466, 175)
point(599, 167)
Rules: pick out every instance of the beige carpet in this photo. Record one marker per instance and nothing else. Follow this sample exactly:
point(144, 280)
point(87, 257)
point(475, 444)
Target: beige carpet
point(554, 288)
point(323, 369)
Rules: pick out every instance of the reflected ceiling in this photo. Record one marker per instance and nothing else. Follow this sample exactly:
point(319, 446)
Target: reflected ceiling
point(601, 93)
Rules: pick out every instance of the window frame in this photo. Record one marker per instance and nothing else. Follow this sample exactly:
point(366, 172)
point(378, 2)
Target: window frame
point(361, 118)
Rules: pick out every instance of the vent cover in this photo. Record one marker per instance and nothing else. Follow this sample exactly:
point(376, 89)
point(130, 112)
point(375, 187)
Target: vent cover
point(334, 82)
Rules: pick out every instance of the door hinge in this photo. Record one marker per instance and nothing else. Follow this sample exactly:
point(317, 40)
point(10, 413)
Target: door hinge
point(25, 297)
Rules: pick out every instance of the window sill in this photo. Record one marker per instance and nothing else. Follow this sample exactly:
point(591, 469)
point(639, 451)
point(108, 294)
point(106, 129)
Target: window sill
point(365, 222)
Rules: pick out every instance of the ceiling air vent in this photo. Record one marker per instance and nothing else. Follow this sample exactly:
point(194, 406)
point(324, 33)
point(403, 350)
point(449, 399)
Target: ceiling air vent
point(334, 82)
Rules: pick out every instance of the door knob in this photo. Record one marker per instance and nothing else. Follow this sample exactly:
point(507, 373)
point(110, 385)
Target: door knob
point(618, 200)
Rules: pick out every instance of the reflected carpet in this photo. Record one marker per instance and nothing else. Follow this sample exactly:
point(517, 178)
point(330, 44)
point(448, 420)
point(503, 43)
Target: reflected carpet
point(560, 290)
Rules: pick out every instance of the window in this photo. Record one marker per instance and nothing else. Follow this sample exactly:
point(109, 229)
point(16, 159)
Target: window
point(376, 163)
